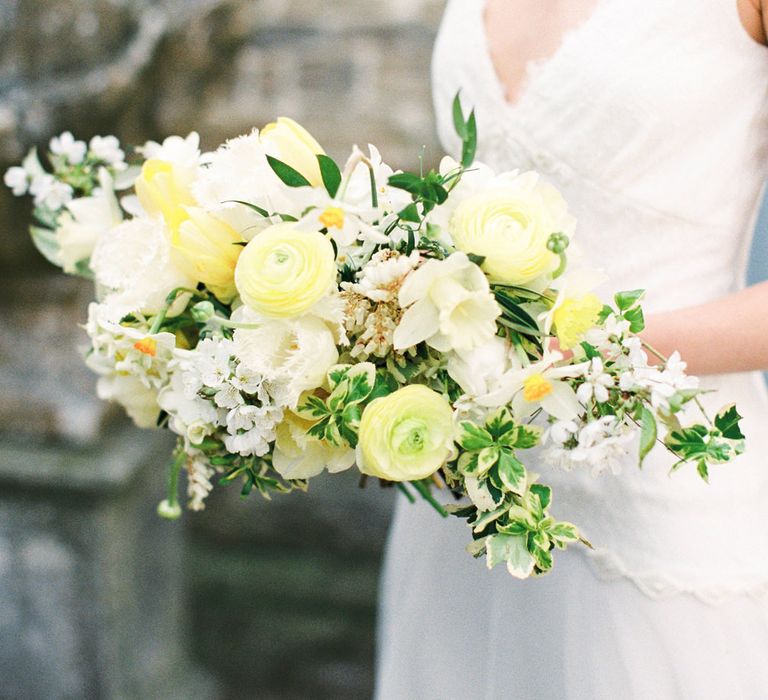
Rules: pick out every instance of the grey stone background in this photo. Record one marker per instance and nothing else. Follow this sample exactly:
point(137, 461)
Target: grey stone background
point(98, 597)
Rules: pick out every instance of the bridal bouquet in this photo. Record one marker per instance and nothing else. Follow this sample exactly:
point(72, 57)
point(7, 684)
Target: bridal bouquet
point(283, 315)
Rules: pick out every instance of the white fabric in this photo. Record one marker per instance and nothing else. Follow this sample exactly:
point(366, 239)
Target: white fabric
point(652, 119)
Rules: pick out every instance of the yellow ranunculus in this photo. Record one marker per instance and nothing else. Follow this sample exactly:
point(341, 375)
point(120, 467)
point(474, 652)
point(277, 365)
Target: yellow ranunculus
point(509, 225)
point(406, 435)
point(283, 272)
point(294, 145)
point(574, 317)
point(209, 251)
point(162, 189)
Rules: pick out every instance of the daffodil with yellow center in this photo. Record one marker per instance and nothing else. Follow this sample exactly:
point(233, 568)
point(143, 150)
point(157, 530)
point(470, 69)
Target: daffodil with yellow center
point(283, 272)
point(294, 145)
point(574, 317)
point(147, 345)
point(163, 189)
point(536, 387)
point(543, 385)
point(332, 217)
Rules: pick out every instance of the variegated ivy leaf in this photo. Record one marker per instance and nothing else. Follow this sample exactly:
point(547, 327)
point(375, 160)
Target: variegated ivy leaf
point(522, 437)
point(486, 458)
point(512, 550)
point(511, 471)
point(480, 495)
point(500, 423)
point(562, 534)
point(727, 422)
point(486, 519)
point(473, 437)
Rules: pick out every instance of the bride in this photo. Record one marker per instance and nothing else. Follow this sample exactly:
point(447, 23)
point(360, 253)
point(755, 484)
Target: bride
point(651, 116)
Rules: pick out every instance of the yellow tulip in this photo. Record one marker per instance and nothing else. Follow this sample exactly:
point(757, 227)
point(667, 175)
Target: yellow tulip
point(209, 251)
point(294, 145)
point(161, 189)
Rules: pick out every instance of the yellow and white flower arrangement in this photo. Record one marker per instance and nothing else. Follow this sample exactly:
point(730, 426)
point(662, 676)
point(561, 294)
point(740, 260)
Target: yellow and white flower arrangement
point(283, 316)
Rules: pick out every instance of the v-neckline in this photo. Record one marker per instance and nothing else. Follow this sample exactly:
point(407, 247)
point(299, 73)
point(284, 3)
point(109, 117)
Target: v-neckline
point(532, 66)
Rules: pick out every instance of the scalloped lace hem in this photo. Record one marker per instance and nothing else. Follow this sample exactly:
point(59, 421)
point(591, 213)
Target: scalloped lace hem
point(608, 566)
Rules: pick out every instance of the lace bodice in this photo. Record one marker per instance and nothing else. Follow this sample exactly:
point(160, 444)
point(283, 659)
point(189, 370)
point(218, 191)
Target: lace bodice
point(652, 119)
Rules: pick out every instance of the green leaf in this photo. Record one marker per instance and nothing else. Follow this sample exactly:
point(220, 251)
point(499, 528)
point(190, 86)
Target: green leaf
point(511, 472)
point(474, 437)
point(406, 181)
point(469, 147)
point(543, 493)
point(523, 437)
point(727, 422)
point(562, 533)
point(458, 117)
point(330, 173)
point(589, 350)
point(410, 213)
point(500, 423)
point(648, 432)
point(626, 300)
point(703, 470)
point(485, 519)
point(250, 205)
point(289, 175)
point(486, 458)
point(512, 550)
point(635, 318)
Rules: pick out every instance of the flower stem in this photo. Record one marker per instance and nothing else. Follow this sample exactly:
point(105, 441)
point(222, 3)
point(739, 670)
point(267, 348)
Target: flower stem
point(426, 494)
point(160, 318)
point(170, 508)
point(406, 492)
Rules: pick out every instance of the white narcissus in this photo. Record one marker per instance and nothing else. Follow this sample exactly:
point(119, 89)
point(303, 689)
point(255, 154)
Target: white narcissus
point(448, 304)
point(84, 221)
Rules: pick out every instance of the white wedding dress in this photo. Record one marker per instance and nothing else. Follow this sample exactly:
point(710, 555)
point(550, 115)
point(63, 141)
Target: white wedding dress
point(652, 119)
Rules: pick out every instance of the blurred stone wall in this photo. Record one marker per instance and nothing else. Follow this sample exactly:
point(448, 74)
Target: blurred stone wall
point(282, 594)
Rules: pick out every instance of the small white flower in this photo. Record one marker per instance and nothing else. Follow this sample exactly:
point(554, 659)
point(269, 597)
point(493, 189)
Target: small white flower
point(50, 192)
point(107, 150)
point(65, 145)
point(228, 397)
point(17, 179)
point(596, 383)
point(602, 445)
point(381, 278)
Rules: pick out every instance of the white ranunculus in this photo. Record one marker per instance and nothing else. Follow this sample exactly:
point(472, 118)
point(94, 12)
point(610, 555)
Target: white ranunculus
point(449, 305)
point(85, 220)
point(293, 355)
point(134, 263)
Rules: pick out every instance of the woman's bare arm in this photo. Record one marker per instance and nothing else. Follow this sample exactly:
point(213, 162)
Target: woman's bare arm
point(726, 335)
point(754, 17)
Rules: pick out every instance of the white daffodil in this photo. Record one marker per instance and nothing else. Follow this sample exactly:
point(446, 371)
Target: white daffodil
point(542, 385)
point(448, 304)
point(85, 220)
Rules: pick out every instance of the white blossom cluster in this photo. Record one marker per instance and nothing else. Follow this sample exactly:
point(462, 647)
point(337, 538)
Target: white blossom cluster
point(212, 394)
